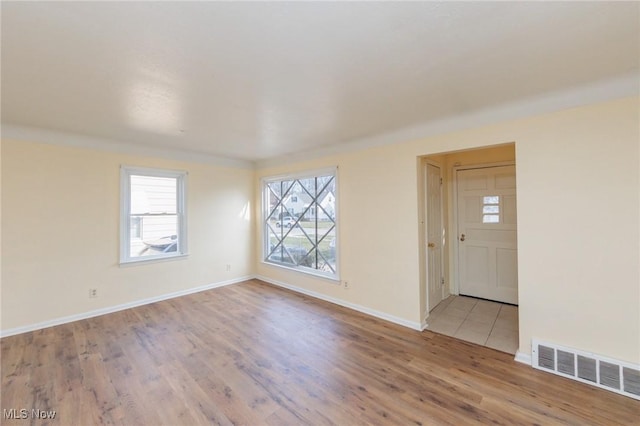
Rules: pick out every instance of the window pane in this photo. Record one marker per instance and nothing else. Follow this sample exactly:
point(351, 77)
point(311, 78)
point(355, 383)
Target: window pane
point(299, 223)
point(490, 209)
point(159, 235)
point(327, 201)
point(494, 199)
point(327, 251)
point(298, 246)
point(155, 195)
point(491, 218)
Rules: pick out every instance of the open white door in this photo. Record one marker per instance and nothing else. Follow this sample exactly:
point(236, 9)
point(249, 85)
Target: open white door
point(487, 233)
point(435, 280)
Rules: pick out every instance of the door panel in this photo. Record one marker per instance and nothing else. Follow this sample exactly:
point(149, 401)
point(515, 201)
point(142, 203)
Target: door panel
point(487, 233)
point(477, 265)
point(505, 180)
point(433, 210)
point(507, 268)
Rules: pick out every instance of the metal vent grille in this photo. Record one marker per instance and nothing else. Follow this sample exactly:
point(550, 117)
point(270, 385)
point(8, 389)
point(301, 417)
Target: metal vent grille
point(616, 376)
point(610, 374)
point(547, 357)
point(631, 381)
point(587, 368)
point(566, 363)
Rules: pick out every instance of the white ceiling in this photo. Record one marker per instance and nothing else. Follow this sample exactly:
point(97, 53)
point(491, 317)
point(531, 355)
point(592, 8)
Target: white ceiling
point(254, 81)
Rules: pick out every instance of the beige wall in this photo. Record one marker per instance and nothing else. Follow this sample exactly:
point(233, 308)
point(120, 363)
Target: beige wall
point(578, 219)
point(578, 229)
point(60, 232)
point(578, 191)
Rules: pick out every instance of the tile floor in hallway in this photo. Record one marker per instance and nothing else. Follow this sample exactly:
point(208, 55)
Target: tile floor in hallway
point(486, 323)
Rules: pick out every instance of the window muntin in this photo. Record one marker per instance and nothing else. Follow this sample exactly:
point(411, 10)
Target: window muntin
point(153, 220)
point(300, 222)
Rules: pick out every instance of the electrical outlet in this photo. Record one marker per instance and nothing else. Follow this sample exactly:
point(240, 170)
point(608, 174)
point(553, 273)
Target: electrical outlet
point(346, 284)
point(93, 293)
point(228, 267)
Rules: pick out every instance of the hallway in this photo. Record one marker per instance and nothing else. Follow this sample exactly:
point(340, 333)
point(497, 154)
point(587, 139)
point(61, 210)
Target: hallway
point(483, 322)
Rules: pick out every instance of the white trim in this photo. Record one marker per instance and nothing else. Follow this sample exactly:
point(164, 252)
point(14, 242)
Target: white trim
point(455, 261)
point(334, 279)
point(523, 358)
point(53, 137)
point(151, 259)
point(112, 309)
point(152, 171)
point(600, 91)
point(424, 325)
point(372, 312)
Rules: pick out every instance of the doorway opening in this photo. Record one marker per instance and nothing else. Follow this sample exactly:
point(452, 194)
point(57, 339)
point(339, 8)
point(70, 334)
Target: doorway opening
point(468, 245)
point(484, 322)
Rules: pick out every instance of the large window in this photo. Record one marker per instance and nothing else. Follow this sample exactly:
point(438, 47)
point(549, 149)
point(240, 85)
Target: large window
point(300, 222)
point(152, 218)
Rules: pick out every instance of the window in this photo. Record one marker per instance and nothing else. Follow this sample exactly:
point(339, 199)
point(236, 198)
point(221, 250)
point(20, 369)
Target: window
point(491, 209)
point(152, 217)
point(296, 236)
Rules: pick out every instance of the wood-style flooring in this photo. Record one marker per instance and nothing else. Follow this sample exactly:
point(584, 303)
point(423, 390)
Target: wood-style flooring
point(255, 354)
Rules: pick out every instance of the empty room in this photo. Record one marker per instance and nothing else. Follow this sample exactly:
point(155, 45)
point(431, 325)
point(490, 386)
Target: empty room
point(348, 213)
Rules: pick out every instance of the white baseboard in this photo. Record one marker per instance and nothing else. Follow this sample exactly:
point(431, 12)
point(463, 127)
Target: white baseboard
point(111, 309)
point(523, 358)
point(378, 314)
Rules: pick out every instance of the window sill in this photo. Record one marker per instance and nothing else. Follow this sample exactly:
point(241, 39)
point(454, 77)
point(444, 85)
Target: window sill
point(133, 262)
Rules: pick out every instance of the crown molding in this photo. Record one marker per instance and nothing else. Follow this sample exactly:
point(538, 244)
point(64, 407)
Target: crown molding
point(53, 137)
point(623, 86)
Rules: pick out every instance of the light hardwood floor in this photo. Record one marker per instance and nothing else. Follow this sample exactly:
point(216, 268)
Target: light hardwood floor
point(256, 354)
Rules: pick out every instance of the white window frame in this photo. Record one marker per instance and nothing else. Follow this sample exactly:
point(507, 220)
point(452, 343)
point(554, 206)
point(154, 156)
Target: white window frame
point(333, 171)
point(125, 212)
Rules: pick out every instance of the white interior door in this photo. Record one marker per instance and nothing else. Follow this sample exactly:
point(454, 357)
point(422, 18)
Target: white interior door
point(487, 233)
point(433, 210)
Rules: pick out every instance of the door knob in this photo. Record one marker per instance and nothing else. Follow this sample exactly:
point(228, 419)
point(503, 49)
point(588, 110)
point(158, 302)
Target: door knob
point(462, 237)
point(431, 245)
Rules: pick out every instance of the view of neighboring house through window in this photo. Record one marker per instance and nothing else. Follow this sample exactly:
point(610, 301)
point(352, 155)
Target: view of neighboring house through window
point(300, 222)
point(153, 215)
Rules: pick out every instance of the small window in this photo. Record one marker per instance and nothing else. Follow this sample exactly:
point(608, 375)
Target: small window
point(302, 238)
point(491, 209)
point(153, 219)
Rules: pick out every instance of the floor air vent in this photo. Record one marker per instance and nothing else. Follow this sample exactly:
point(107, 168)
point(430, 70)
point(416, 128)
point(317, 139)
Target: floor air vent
point(616, 376)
